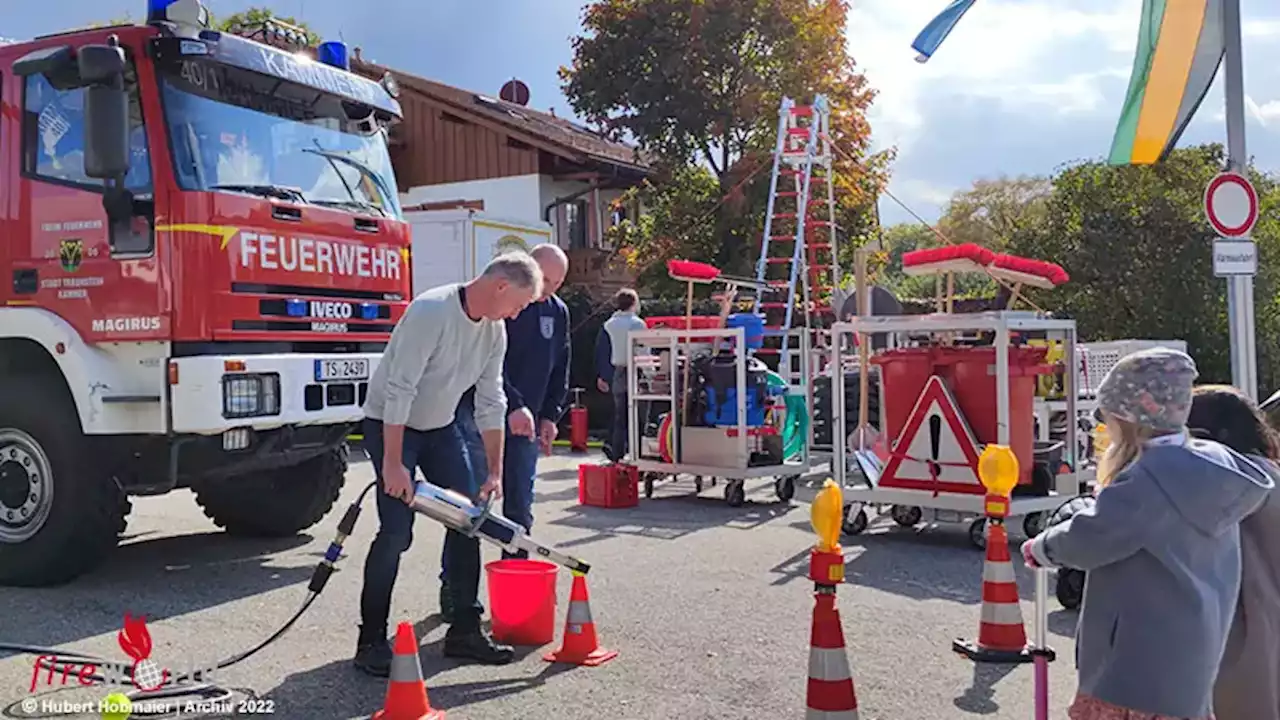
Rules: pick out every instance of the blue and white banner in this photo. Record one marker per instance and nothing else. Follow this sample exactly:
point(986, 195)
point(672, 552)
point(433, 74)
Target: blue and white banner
point(927, 42)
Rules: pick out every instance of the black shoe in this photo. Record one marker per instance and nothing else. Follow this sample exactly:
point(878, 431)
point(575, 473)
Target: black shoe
point(374, 658)
point(477, 645)
point(446, 605)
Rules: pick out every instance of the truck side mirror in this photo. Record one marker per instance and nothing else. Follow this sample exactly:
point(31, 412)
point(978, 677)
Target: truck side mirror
point(106, 112)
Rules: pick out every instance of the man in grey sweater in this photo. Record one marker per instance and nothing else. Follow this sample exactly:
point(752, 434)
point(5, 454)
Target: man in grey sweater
point(450, 339)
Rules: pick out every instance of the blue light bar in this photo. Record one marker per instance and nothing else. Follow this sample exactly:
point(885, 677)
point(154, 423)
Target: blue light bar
point(181, 12)
point(296, 308)
point(156, 9)
point(334, 53)
point(368, 311)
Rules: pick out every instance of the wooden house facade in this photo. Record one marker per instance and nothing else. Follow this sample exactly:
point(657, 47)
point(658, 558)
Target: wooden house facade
point(457, 148)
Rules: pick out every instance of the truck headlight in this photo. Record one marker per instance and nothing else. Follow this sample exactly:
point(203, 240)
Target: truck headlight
point(250, 395)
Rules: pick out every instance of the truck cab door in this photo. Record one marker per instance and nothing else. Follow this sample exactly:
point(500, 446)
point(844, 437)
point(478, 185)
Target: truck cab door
point(101, 277)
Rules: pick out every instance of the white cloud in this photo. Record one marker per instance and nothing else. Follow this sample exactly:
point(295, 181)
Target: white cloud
point(914, 192)
point(1014, 52)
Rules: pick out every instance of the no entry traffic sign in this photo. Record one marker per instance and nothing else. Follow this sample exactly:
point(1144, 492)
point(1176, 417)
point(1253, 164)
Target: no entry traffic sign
point(1231, 205)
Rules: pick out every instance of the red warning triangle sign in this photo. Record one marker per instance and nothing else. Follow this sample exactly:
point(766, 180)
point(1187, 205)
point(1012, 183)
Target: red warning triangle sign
point(936, 450)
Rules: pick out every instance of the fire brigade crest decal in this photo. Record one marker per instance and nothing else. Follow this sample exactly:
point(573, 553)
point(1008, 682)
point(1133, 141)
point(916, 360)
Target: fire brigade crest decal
point(70, 253)
point(135, 641)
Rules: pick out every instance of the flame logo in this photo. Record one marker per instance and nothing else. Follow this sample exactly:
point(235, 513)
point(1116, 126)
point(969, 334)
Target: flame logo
point(135, 639)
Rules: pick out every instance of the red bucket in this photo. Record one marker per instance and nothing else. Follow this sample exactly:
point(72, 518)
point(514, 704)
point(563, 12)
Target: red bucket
point(522, 601)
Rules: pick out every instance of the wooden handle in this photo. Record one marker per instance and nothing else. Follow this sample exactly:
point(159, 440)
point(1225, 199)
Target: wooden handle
point(864, 350)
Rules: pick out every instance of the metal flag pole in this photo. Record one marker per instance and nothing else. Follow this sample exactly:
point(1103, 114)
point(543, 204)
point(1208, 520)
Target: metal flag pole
point(1244, 355)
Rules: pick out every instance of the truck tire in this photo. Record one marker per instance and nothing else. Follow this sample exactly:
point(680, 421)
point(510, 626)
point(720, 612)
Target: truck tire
point(276, 503)
point(60, 515)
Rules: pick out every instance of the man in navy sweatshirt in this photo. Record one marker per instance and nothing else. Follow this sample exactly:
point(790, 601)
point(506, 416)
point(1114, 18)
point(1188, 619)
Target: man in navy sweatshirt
point(536, 381)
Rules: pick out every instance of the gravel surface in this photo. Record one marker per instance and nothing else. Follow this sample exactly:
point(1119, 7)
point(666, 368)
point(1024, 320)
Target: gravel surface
point(708, 605)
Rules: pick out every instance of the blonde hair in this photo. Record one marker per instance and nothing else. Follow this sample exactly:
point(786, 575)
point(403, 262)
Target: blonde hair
point(1127, 439)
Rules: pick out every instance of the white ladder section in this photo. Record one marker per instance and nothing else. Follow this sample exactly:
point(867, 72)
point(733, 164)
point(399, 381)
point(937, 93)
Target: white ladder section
point(798, 252)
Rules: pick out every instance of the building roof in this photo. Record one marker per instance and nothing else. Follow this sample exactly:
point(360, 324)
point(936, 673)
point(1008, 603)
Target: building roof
point(559, 132)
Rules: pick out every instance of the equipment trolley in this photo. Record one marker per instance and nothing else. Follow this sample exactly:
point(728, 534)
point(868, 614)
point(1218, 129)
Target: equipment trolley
point(700, 404)
point(953, 384)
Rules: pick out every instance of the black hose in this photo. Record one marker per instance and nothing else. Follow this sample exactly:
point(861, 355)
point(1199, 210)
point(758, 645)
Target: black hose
point(180, 690)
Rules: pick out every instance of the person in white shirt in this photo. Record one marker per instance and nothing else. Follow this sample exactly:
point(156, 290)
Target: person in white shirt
point(625, 319)
point(450, 339)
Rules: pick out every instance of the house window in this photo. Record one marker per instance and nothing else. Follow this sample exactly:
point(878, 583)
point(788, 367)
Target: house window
point(577, 224)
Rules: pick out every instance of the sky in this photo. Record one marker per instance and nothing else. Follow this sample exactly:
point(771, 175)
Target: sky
point(1020, 88)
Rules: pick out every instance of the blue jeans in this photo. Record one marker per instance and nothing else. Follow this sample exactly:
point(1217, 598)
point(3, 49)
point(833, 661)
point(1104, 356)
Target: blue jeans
point(440, 455)
point(519, 468)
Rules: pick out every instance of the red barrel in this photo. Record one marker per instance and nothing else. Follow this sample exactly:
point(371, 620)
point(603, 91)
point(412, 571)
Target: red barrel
point(903, 374)
point(971, 376)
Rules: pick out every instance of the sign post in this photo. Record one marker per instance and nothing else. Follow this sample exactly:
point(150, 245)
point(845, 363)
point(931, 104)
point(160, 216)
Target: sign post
point(1231, 207)
point(1223, 202)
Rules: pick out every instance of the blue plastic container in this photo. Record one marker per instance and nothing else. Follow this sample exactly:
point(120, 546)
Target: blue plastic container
point(752, 325)
point(721, 412)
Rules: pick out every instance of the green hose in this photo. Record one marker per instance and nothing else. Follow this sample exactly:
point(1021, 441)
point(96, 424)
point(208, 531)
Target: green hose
point(796, 428)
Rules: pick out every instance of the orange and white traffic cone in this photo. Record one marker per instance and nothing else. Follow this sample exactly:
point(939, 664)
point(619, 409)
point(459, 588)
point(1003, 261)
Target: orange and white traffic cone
point(406, 690)
point(580, 646)
point(1002, 638)
point(830, 694)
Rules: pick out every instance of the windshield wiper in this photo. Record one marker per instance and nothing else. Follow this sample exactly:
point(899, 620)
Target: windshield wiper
point(279, 192)
point(362, 168)
point(355, 204)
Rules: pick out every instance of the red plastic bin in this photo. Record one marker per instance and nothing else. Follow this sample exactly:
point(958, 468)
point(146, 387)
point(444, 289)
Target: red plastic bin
point(903, 375)
point(608, 486)
point(970, 375)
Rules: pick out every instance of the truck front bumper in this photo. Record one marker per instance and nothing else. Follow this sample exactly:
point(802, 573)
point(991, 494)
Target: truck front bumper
point(251, 394)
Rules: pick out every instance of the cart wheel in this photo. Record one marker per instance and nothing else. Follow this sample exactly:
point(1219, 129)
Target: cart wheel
point(1070, 588)
point(907, 516)
point(734, 493)
point(648, 485)
point(697, 483)
point(978, 533)
point(785, 487)
point(1033, 524)
point(854, 522)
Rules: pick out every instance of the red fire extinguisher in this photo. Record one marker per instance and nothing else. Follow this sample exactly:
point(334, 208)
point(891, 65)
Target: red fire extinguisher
point(577, 423)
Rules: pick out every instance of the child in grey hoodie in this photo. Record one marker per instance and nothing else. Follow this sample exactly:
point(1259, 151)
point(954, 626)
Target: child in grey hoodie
point(1161, 546)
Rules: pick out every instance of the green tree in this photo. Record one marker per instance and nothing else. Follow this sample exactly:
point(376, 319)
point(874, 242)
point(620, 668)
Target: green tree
point(245, 22)
point(993, 210)
point(986, 214)
point(678, 221)
point(701, 81)
point(1138, 248)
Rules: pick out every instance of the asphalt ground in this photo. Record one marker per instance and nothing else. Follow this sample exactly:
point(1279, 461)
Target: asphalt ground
point(708, 605)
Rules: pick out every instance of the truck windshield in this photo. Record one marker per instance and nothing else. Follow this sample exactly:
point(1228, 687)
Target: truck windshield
point(238, 131)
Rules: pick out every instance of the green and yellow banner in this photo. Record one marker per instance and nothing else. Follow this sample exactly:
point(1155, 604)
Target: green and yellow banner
point(1180, 46)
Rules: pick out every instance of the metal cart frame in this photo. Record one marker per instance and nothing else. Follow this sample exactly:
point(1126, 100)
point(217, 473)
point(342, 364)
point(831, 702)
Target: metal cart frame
point(953, 507)
point(679, 342)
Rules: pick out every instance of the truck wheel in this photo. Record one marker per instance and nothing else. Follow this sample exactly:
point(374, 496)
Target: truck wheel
point(275, 503)
point(59, 515)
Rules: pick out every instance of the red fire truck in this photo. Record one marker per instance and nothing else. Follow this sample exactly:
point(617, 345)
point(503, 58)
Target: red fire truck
point(206, 258)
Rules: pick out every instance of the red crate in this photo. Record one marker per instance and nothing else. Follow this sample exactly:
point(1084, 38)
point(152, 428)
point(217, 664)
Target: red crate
point(680, 322)
point(608, 486)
